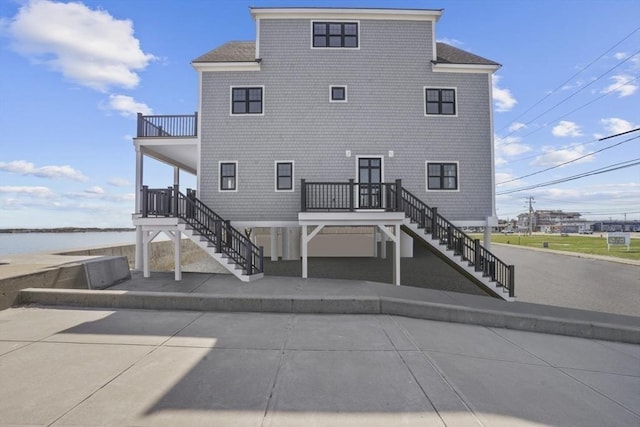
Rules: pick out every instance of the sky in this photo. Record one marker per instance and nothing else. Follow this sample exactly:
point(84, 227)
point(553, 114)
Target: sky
point(73, 75)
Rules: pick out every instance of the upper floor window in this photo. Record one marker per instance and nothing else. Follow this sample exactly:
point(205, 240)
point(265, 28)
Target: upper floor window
point(284, 176)
point(338, 93)
point(246, 100)
point(335, 34)
point(228, 176)
point(440, 101)
point(442, 176)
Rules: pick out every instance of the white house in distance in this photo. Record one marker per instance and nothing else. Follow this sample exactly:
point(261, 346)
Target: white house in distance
point(332, 117)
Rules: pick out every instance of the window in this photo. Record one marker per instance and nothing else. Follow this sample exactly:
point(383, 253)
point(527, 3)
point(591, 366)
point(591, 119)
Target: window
point(284, 176)
point(442, 176)
point(335, 34)
point(246, 100)
point(338, 93)
point(228, 176)
point(440, 101)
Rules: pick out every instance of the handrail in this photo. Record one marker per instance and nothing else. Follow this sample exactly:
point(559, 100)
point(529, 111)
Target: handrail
point(219, 233)
point(462, 244)
point(349, 196)
point(167, 126)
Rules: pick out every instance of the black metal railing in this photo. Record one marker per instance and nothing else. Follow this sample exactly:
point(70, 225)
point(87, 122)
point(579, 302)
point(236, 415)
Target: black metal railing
point(349, 196)
point(470, 250)
point(176, 126)
point(219, 234)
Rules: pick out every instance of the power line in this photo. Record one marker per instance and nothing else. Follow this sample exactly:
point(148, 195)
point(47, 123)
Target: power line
point(605, 169)
point(575, 93)
point(574, 160)
point(571, 78)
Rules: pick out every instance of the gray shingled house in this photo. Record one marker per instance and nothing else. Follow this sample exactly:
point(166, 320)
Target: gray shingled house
point(353, 119)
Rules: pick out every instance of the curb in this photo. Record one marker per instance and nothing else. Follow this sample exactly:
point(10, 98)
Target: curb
point(330, 305)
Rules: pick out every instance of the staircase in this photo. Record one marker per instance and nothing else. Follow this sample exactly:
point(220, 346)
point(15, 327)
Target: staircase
point(462, 252)
point(224, 243)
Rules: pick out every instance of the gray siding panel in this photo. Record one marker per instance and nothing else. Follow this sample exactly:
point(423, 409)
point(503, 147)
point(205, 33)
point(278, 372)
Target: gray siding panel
point(385, 111)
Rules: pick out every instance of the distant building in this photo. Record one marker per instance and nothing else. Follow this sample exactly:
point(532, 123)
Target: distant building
point(553, 221)
point(607, 226)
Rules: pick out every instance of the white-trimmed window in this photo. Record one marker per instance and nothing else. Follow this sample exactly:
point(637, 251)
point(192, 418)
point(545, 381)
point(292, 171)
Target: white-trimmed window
point(228, 175)
point(284, 175)
point(247, 100)
point(440, 101)
point(335, 35)
point(337, 93)
point(442, 176)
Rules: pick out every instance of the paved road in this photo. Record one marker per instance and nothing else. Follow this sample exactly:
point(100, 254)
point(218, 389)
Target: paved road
point(575, 282)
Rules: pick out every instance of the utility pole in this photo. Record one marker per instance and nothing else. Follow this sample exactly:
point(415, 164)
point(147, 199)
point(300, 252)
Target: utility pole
point(531, 200)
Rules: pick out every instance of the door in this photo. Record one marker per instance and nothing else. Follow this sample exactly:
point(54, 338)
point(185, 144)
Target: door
point(369, 182)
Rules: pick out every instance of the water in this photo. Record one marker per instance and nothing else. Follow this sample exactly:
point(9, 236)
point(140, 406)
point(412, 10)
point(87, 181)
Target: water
point(25, 243)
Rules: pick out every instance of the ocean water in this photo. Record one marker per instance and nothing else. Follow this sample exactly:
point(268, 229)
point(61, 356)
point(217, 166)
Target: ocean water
point(26, 243)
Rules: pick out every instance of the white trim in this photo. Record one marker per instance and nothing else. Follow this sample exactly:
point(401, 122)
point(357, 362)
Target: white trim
point(199, 130)
point(226, 66)
point(346, 21)
point(220, 190)
point(444, 190)
point(247, 86)
point(424, 100)
point(491, 141)
point(346, 96)
point(293, 174)
point(347, 13)
point(464, 68)
point(258, 38)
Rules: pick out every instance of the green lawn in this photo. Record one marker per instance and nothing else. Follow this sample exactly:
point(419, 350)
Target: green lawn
point(594, 244)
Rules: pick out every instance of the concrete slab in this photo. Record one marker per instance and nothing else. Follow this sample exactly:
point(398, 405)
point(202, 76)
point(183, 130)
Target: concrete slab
point(235, 330)
point(572, 352)
point(337, 332)
point(354, 388)
point(127, 327)
point(514, 394)
point(622, 389)
point(185, 386)
point(9, 346)
point(43, 381)
point(469, 340)
point(34, 324)
point(106, 271)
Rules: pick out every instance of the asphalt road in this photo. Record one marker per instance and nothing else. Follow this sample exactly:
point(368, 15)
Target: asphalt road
point(575, 282)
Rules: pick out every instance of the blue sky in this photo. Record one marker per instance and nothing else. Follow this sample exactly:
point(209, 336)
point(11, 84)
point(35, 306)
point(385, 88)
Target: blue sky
point(73, 75)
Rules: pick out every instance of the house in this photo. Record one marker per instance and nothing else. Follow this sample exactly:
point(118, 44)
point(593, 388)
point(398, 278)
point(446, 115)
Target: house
point(330, 118)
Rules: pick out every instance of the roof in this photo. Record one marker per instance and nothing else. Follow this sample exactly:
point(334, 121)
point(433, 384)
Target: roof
point(234, 51)
point(245, 51)
point(447, 54)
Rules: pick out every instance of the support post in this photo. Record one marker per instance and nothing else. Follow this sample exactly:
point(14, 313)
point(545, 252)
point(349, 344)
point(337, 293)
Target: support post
point(399, 207)
point(145, 201)
point(139, 246)
point(487, 236)
point(248, 257)
point(176, 192)
point(352, 206)
point(477, 258)
point(305, 243)
point(176, 254)
point(286, 250)
point(145, 251)
point(375, 242)
point(512, 281)
point(303, 197)
point(396, 264)
point(274, 243)
point(218, 227)
point(434, 223)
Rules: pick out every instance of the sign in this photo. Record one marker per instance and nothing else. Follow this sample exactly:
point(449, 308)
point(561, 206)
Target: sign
point(618, 239)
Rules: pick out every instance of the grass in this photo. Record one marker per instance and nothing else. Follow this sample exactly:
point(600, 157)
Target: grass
point(594, 245)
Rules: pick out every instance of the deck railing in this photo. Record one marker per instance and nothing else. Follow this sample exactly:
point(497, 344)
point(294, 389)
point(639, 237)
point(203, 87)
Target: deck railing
point(170, 202)
point(350, 196)
point(176, 126)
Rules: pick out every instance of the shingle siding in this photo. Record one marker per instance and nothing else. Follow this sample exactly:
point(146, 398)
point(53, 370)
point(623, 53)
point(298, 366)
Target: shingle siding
point(385, 111)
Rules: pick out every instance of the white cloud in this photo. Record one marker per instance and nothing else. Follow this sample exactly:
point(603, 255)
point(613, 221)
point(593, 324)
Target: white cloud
point(552, 156)
point(89, 47)
point(34, 191)
point(620, 55)
point(622, 85)
point(94, 190)
point(22, 167)
point(452, 42)
point(508, 147)
point(502, 98)
point(516, 126)
point(615, 125)
point(127, 106)
point(119, 182)
point(565, 128)
point(506, 179)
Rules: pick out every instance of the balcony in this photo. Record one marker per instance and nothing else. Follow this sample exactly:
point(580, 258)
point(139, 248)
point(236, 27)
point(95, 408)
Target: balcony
point(172, 126)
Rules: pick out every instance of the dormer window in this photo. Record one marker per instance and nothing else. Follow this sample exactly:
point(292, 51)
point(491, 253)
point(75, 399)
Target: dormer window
point(335, 34)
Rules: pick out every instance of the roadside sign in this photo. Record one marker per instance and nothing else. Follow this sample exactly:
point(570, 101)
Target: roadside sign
point(618, 239)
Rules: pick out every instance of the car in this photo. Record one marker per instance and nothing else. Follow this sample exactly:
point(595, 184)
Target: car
point(508, 231)
point(585, 231)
